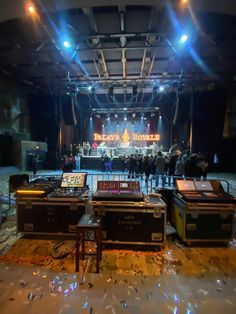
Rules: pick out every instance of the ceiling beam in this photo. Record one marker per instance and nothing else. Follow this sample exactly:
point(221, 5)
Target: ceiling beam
point(88, 12)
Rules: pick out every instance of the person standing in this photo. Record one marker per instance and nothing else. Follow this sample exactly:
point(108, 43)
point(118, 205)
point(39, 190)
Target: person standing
point(171, 168)
point(108, 163)
point(77, 162)
point(35, 161)
point(160, 163)
point(179, 168)
point(132, 166)
point(111, 162)
point(147, 167)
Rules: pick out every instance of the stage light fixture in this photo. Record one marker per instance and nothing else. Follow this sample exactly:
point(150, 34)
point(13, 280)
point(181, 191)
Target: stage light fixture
point(183, 38)
point(161, 88)
point(103, 125)
point(125, 118)
point(91, 118)
point(67, 44)
point(116, 115)
point(89, 88)
point(134, 115)
point(31, 8)
point(148, 124)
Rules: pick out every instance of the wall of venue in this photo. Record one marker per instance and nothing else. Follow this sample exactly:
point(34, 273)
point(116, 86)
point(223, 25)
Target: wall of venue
point(14, 118)
point(213, 127)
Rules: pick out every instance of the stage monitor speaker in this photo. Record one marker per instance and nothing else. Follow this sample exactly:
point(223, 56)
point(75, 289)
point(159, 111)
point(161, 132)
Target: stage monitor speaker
point(68, 110)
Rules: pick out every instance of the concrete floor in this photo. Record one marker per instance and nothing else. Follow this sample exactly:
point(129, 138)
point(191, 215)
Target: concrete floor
point(35, 290)
point(204, 283)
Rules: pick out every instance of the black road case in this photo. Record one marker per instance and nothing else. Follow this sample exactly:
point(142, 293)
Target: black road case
point(137, 223)
point(51, 217)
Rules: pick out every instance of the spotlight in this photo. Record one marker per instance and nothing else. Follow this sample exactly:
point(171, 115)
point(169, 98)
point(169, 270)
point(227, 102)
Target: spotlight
point(161, 88)
point(160, 117)
point(116, 115)
point(148, 124)
point(67, 44)
point(134, 115)
point(103, 125)
point(183, 38)
point(89, 88)
point(91, 118)
point(31, 8)
point(125, 118)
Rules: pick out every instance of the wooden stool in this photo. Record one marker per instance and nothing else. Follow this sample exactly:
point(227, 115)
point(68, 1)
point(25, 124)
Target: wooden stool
point(88, 223)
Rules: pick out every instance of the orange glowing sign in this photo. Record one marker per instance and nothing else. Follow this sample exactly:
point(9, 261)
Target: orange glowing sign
point(126, 137)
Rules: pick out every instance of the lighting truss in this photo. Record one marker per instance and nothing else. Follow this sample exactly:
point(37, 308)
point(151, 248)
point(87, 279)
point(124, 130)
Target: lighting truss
point(116, 111)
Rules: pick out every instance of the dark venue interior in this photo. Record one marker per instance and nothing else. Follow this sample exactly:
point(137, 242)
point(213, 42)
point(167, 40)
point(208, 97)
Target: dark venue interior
point(117, 156)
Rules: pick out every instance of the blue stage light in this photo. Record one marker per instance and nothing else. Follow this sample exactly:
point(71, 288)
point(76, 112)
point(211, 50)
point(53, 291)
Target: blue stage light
point(183, 38)
point(67, 44)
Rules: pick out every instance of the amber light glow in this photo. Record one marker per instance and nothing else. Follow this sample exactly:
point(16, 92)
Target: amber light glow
point(30, 192)
point(30, 8)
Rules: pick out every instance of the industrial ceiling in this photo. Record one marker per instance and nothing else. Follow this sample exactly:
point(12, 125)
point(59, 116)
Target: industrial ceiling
point(118, 52)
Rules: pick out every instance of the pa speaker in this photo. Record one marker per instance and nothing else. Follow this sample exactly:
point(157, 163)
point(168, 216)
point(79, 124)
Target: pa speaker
point(182, 109)
point(68, 110)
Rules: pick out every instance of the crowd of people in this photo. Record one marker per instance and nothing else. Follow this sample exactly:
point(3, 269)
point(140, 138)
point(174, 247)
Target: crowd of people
point(166, 167)
point(163, 167)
